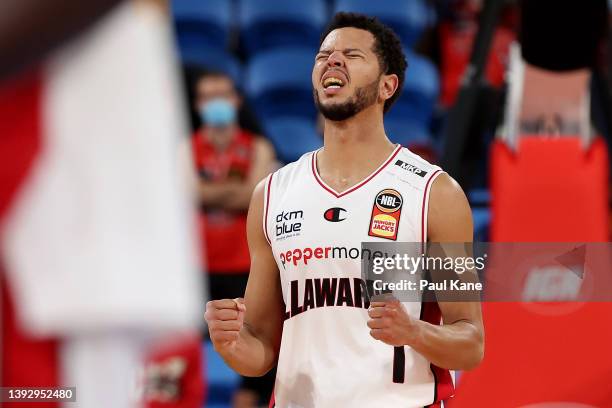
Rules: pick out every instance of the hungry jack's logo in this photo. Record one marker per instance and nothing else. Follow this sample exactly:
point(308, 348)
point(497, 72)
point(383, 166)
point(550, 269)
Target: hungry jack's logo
point(386, 212)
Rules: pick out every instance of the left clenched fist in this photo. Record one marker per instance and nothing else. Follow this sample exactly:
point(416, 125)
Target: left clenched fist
point(390, 323)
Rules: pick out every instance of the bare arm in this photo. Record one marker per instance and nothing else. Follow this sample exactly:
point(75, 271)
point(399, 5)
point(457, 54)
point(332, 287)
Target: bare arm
point(458, 344)
point(251, 348)
point(235, 195)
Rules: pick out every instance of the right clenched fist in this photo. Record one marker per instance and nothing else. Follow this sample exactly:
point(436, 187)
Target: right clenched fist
point(225, 319)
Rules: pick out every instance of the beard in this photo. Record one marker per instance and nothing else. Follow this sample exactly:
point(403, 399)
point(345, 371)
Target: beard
point(361, 99)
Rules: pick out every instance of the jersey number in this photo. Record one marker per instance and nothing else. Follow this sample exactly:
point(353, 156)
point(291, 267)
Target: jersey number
point(399, 364)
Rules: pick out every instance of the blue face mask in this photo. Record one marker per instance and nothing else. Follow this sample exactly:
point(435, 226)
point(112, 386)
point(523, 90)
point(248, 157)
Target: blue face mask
point(218, 112)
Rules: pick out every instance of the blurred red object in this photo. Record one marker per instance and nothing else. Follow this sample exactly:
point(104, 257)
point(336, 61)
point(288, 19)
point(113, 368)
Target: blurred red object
point(26, 360)
point(174, 376)
point(545, 353)
point(456, 40)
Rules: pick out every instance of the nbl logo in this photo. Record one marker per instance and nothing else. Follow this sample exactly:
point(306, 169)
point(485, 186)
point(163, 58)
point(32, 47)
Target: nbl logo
point(388, 201)
point(386, 213)
point(289, 223)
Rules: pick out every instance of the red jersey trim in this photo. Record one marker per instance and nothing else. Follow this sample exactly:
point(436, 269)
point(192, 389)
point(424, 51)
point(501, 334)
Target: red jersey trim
point(443, 382)
point(424, 207)
point(269, 184)
point(355, 187)
point(272, 401)
point(430, 312)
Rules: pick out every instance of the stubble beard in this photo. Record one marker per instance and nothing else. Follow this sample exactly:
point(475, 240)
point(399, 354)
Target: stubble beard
point(362, 98)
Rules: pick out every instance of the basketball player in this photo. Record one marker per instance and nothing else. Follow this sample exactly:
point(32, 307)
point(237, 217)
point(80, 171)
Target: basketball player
point(303, 306)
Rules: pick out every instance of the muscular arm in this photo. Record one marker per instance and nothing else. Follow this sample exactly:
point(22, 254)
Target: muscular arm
point(251, 348)
point(458, 344)
point(235, 195)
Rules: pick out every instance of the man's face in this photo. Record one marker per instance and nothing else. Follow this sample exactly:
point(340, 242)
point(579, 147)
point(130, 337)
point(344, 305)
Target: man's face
point(346, 73)
point(214, 87)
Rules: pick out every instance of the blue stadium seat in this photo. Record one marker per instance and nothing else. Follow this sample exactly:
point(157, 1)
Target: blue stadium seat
point(222, 380)
point(408, 18)
point(278, 83)
point(482, 222)
point(480, 200)
point(278, 23)
point(479, 197)
point(420, 92)
point(407, 132)
point(213, 59)
point(292, 137)
point(202, 22)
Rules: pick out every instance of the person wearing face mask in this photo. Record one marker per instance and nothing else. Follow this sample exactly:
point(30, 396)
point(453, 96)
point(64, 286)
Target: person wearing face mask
point(230, 161)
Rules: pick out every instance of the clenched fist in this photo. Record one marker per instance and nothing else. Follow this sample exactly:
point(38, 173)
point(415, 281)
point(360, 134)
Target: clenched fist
point(390, 323)
point(225, 319)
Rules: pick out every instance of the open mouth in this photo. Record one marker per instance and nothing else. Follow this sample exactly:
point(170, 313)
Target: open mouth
point(333, 83)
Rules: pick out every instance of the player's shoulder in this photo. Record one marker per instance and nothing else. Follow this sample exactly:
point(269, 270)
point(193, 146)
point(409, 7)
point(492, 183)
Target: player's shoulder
point(445, 191)
point(292, 170)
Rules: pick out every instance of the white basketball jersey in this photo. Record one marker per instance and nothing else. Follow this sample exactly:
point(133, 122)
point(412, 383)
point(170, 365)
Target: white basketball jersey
point(327, 356)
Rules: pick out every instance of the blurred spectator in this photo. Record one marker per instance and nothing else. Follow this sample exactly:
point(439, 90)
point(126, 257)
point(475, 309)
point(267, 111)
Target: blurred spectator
point(230, 162)
point(457, 31)
point(247, 119)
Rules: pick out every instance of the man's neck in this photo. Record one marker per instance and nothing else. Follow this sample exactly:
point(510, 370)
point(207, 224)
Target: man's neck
point(353, 149)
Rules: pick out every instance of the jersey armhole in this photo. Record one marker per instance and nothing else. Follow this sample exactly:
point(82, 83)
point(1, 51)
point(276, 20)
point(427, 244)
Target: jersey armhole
point(267, 188)
point(425, 207)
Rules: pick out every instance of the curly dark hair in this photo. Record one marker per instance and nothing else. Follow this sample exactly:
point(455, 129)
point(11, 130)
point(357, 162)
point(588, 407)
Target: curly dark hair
point(387, 45)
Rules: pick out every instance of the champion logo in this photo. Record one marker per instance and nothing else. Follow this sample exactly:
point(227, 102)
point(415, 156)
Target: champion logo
point(335, 214)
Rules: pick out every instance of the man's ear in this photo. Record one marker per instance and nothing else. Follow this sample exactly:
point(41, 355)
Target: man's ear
point(388, 86)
